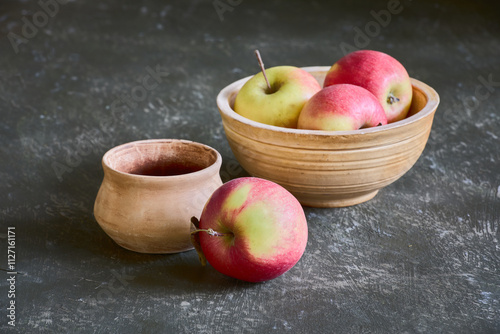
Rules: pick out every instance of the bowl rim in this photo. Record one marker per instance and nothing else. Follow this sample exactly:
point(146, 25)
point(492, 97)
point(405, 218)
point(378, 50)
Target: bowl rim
point(227, 92)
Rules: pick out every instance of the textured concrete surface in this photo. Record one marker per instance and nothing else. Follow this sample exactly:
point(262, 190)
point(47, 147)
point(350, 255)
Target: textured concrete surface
point(421, 257)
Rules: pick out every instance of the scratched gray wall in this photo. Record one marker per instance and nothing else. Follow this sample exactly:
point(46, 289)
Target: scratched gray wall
point(422, 257)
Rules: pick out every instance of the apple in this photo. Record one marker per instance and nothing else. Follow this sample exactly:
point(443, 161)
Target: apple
point(381, 74)
point(342, 107)
point(291, 87)
point(252, 229)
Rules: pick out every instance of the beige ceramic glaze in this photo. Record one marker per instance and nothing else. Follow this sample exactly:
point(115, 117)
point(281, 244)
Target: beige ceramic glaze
point(150, 191)
point(327, 168)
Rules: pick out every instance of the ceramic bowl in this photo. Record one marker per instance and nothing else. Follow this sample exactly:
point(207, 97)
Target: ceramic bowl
point(329, 168)
point(150, 191)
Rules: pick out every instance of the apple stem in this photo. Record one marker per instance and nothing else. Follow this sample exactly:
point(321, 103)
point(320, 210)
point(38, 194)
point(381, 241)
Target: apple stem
point(210, 232)
point(261, 64)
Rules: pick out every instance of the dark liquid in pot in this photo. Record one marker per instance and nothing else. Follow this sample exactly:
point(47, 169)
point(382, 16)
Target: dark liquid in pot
point(165, 169)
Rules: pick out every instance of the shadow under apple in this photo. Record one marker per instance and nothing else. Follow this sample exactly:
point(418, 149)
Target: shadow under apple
point(186, 274)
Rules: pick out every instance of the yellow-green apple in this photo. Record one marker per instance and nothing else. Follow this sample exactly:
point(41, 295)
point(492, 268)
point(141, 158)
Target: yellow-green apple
point(252, 229)
point(381, 74)
point(291, 87)
point(342, 107)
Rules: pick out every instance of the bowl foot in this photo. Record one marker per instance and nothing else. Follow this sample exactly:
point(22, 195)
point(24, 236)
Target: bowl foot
point(331, 202)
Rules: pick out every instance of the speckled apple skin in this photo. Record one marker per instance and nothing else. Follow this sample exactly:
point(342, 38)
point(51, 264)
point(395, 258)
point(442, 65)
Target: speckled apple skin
point(379, 73)
point(292, 87)
point(264, 227)
point(342, 107)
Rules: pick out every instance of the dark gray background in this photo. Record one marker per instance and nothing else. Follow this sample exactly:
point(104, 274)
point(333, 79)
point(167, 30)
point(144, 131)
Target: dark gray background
point(421, 257)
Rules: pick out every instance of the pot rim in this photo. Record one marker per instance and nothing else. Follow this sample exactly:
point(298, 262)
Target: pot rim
point(209, 170)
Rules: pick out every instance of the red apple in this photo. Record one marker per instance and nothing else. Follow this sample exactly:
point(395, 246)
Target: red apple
point(342, 107)
point(252, 229)
point(379, 73)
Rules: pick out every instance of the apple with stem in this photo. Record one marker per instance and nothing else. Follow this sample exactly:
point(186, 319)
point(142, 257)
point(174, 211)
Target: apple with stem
point(342, 107)
point(251, 229)
point(276, 96)
point(379, 73)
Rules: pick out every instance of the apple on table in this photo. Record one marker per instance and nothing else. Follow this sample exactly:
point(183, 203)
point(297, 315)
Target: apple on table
point(251, 229)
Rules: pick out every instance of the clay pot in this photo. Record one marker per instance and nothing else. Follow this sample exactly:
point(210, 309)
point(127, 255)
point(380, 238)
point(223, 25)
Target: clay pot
point(329, 168)
point(150, 191)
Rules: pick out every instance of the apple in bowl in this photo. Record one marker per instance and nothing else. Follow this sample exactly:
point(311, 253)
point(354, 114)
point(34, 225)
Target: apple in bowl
point(281, 102)
point(381, 74)
point(342, 107)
